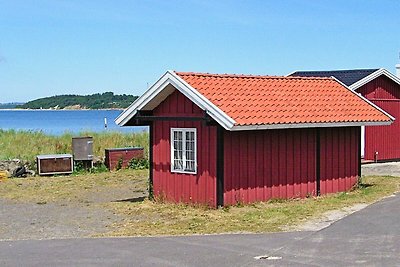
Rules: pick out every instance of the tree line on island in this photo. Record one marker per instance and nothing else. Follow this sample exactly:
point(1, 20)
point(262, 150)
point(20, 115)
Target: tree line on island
point(107, 100)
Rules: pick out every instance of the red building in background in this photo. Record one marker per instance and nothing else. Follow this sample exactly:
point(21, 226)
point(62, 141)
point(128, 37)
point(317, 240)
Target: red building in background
point(381, 88)
point(227, 139)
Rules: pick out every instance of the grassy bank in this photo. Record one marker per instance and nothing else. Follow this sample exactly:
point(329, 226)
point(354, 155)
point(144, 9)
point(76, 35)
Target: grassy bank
point(26, 145)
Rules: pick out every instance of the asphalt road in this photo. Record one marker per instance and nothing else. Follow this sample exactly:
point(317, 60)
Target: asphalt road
point(370, 237)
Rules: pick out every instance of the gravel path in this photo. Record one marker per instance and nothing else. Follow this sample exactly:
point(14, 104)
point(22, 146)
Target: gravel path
point(47, 221)
point(388, 168)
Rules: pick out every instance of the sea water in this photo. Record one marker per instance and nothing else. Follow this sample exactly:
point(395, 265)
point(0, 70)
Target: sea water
point(57, 122)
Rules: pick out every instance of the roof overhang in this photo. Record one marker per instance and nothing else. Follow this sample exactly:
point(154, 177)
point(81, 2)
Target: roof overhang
point(373, 76)
point(366, 100)
point(307, 125)
point(162, 89)
point(170, 81)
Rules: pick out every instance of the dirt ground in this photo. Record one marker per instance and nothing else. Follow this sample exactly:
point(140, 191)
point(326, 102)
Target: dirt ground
point(84, 215)
point(80, 215)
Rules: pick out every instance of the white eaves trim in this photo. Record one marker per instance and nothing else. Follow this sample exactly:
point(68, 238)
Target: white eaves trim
point(307, 125)
point(374, 75)
point(171, 78)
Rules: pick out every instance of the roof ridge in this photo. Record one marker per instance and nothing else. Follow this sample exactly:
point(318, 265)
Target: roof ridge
point(230, 75)
point(339, 70)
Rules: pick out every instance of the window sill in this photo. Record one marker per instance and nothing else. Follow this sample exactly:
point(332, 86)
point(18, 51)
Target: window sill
point(184, 172)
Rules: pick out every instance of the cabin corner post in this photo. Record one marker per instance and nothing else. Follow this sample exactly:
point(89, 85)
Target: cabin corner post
point(220, 166)
point(318, 161)
point(151, 164)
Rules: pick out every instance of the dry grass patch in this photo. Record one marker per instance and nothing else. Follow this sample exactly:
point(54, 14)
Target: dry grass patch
point(152, 218)
point(73, 188)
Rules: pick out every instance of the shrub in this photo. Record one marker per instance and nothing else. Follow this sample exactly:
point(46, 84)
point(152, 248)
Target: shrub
point(139, 164)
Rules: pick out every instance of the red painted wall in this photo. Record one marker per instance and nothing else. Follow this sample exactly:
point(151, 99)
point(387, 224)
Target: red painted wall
point(262, 165)
point(195, 188)
point(339, 158)
point(384, 139)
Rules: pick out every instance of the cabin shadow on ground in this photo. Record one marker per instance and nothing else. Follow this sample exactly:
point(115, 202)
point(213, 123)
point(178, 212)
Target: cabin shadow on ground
point(132, 200)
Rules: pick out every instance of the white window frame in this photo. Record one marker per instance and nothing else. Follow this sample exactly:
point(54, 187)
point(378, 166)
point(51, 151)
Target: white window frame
point(184, 131)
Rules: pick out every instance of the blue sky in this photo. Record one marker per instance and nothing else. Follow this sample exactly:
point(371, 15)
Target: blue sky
point(83, 47)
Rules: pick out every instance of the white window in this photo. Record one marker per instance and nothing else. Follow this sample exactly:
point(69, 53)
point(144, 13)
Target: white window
point(183, 150)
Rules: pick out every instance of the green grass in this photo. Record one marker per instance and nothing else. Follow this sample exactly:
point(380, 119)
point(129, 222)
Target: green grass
point(26, 145)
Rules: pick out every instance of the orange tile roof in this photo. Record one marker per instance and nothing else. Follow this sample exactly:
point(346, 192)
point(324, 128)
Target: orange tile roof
point(263, 100)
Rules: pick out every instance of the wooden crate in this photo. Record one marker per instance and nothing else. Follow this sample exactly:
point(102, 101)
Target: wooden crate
point(55, 164)
point(126, 154)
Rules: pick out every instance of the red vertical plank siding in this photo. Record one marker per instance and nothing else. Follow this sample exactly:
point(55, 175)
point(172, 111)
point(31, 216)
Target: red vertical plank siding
point(385, 93)
point(384, 139)
point(310, 161)
point(275, 164)
point(307, 171)
point(283, 163)
point(268, 164)
point(196, 188)
point(267, 174)
point(251, 168)
point(290, 165)
point(380, 88)
point(340, 167)
point(282, 166)
point(259, 168)
point(297, 165)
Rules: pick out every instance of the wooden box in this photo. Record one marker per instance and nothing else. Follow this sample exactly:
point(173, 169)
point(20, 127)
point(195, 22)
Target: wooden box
point(113, 155)
point(55, 164)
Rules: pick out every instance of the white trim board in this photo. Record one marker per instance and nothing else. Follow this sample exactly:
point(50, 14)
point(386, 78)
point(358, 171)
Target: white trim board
point(373, 76)
point(170, 78)
point(306, 125)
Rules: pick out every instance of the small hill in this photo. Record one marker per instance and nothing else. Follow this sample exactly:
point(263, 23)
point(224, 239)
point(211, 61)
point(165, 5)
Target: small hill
point(96, 101)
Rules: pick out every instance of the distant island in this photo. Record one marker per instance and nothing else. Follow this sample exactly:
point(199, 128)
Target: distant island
point(96, 101)
point(10, 105)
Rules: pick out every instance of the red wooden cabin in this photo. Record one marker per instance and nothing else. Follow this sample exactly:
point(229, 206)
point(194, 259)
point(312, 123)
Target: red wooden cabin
point(224, 139)
point(383, 89)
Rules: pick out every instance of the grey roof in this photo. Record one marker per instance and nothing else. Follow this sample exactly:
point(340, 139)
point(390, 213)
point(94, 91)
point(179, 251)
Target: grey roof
point(348, 77)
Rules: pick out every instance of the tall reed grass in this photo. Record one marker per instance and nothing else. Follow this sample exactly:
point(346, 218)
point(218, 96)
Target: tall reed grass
point(26, 145)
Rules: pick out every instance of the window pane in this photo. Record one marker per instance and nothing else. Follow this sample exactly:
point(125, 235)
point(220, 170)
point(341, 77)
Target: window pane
point(178, 153)
point(189, 152)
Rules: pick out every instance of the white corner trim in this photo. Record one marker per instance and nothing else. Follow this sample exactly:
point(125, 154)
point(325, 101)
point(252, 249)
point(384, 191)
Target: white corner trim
point(373, 76)
point(363, 98)
point(171, 78)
